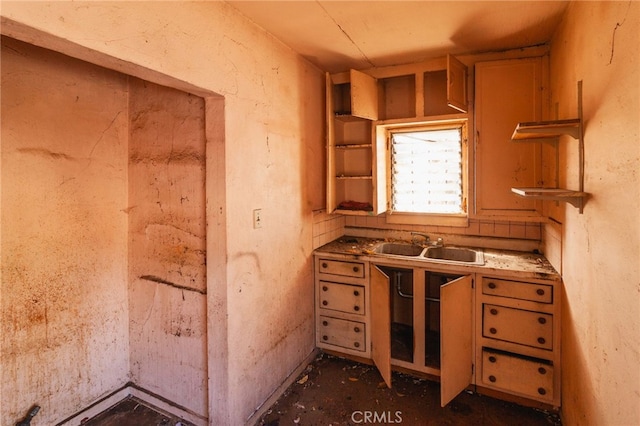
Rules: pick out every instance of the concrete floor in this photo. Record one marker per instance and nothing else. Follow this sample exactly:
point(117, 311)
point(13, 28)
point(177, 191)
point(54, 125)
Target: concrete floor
point(334, 392)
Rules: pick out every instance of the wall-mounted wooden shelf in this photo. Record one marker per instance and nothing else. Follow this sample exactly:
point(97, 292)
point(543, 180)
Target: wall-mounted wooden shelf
point(574, 198)
point(545, 130)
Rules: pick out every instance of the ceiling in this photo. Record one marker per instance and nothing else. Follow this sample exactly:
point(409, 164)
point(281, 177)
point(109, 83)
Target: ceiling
point(338, 35)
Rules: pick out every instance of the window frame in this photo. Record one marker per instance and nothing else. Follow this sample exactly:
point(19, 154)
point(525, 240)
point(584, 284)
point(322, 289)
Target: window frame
point(444, 219)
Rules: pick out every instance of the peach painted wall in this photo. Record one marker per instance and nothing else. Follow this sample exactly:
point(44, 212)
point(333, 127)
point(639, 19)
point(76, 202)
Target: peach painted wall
point(597, 43)
point(274, 143)
point(167, 254)
point(64, 312)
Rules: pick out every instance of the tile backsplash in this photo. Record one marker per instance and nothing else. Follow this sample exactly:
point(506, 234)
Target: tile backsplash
point(328, 227)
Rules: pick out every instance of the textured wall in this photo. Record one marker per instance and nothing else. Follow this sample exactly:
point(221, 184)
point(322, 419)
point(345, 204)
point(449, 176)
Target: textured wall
point(598, 44)
point(64, 316)
point(167, 258)
point(273, 150)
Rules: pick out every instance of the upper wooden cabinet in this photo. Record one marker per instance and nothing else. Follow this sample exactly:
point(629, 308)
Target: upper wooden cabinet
point(358, 101)
point(507, 92)
point(357, 97)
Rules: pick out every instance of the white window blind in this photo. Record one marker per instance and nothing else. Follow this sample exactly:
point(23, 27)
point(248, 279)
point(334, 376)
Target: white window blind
point(426, 171)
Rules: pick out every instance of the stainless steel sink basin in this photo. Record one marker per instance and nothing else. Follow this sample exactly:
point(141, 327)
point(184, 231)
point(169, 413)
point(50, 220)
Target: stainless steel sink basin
point(439, 254)
point(399, 249)
point(455, 254)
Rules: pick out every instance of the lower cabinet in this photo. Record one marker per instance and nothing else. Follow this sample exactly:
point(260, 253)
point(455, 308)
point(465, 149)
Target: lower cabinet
point(343, 333)
point(518, 340)
point(498, 333)
point(342, 306)
point(522, 375)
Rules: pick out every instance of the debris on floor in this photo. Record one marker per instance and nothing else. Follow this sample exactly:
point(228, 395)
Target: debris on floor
point(333, 391)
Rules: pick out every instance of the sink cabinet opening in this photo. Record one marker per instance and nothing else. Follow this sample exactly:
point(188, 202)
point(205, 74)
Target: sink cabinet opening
point(421, 321)
point(415, 317)
point(402, 331)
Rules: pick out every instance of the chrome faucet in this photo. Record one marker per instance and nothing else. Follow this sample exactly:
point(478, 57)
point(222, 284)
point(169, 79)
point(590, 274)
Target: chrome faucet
point(427, 240)
point(414, 239)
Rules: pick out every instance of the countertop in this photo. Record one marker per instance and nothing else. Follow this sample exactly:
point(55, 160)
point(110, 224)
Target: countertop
point(497, 262)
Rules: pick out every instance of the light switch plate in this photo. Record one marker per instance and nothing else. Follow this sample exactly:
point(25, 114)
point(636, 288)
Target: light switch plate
point(257, 218)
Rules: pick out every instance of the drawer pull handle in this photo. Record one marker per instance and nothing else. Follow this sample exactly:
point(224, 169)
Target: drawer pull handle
point(356, 329)
point(494, 311)
point(356, 308)
point(325, 323)
point(492, 285)
point(492, 359)
point(356, 344)
point(493, 330)
point(541, 340)
point(356, 269)
point(540, 292)
point(325, 288)
point(325, 303)
point(542, 370)
point(542, 320)
point(541, 391)
point(356, 293)
point(325, 338)
point(492, 379)
point(325, 265)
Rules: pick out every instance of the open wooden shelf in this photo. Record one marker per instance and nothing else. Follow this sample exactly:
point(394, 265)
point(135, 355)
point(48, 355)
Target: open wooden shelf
point(575, 198)
point(545, 130)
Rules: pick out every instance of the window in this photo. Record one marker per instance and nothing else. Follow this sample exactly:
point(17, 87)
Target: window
point(427, 169)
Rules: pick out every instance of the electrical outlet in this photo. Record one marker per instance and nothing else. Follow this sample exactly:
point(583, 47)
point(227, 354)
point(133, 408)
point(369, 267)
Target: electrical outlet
point(257, 218)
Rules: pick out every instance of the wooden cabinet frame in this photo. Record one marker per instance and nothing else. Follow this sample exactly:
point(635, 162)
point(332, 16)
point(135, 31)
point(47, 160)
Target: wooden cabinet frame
point(354, 102)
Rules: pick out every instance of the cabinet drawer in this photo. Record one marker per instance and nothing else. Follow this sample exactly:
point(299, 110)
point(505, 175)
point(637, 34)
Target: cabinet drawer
point(518, 326)
point(343, 333)
point(518, 290)
point(337, 267)
point(526, 376)
point(342, 297)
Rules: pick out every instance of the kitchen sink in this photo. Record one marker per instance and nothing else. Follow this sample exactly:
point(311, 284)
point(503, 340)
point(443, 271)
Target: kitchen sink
point(440, 254)
point(455, 254)
point(399, 249)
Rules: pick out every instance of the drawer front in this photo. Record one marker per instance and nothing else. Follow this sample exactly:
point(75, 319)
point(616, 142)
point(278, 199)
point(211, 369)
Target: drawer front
point(525, 376)
point(518, 290)
point(338, 267)
point(342, 297)
point(343, 333)
point(518, 326)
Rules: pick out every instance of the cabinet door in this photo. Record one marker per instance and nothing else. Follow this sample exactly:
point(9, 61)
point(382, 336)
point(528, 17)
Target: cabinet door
point(364, 95)
point(507, 92)
point(456, 352)
point(332, 202)
point(381, 323)
point(456, 84)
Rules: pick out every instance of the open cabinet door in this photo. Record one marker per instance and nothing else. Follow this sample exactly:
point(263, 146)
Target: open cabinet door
point(331, 167)
point(381, 323)
point(456, 352)
point(457, 84)
point(364, 95)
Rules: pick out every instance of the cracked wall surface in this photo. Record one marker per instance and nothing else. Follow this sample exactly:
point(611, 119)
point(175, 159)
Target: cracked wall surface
point(167, 256)
point(64, 314)
point(270, 138)
point(597, 43)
